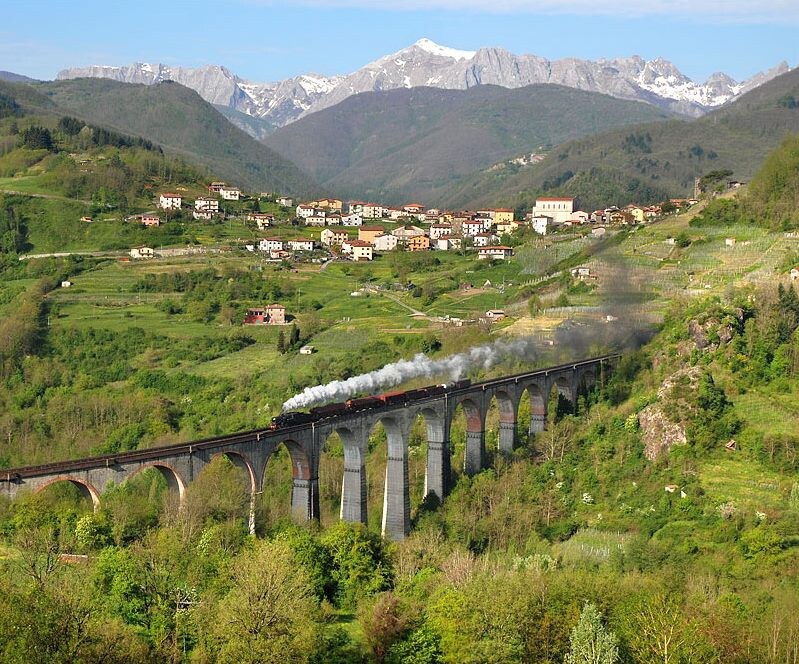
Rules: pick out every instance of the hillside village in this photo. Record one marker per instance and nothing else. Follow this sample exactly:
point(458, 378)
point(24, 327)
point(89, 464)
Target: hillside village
point(362, 231)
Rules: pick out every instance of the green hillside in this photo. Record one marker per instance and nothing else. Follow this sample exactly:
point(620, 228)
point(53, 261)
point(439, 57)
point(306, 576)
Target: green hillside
point(400, 145)
point(652, 161)
point(184, 124)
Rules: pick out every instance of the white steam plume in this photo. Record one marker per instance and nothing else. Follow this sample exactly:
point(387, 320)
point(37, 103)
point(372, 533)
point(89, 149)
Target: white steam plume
point(454, 367)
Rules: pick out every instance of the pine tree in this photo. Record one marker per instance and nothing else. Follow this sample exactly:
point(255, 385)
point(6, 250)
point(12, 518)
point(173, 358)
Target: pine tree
point(281, 342)
point(295, 335)
point(591, 642)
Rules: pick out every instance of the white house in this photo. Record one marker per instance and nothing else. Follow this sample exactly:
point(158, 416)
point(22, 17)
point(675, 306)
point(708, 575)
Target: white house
point(560, 209)
point(448, 243)
point(372, 211)
point(301, 245)
point(386, 242)
point(472, 227)
point(485, 239)
point(498, 253)
point(541, 223)
point(440, 230)
point(170, 201)
point(285, 201)
point(207, 205)
point(405, 233)
point(305, 211)
point(142, 252)
point(205, 215)
point(580, 217)
point(230, 193)
point(352, 219)
point(333, 219)
point(271, 244)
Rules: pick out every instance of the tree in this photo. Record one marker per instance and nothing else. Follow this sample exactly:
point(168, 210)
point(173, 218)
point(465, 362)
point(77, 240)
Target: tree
point(383, 623)
point(269, 615)
point(37, 138)
point(281, 342)
point(590, 642)
point(294, 336)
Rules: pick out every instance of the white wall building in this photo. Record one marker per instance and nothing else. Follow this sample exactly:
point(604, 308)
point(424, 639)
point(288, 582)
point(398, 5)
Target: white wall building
point(560, 209)
point(386, 242)
point(230, 193)
point(170, 201)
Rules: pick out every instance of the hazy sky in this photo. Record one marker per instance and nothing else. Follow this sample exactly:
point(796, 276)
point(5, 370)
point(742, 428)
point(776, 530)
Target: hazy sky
point(264, 40)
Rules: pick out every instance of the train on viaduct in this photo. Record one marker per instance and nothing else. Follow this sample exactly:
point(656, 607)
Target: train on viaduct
point(304, 436)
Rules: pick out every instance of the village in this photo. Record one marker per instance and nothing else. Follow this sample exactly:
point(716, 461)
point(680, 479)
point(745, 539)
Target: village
point(362, 231)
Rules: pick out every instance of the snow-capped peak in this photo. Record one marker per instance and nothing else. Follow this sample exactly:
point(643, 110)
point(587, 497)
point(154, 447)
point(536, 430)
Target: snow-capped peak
point(444, 51)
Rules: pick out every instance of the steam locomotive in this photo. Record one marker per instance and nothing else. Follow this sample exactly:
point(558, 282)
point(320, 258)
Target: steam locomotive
point(295, 418)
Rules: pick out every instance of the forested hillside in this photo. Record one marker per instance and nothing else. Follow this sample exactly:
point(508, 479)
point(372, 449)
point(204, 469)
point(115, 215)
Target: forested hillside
point(176, 119)
point(651, 161)
point(401, 145)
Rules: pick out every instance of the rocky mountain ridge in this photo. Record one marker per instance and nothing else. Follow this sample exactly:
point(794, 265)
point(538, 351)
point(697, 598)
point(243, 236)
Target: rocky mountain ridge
point(426, 63)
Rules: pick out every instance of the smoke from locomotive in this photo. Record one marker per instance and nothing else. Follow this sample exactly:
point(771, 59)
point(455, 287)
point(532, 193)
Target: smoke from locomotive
point(455, 367)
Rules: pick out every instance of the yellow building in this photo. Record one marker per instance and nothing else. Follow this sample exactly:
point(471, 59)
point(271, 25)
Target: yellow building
point(369, 233)
point(503, 215)
point(419, 243)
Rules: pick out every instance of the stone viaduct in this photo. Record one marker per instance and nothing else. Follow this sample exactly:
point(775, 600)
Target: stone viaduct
point(251, 450)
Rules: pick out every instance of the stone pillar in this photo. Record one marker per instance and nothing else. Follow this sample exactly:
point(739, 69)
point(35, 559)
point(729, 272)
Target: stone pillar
point(438, 471)
point(507, 437)
point(474, 459)
point(251, 515)
point(396, 496)
point(353, 485)
point(538, 422)
point(305, 499)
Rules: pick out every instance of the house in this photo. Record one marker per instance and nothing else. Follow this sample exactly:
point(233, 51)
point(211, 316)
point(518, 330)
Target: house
point(386, 242)
point(582, 273)
point(315, 220)
point(333, 219)
point(356, 207)
point(419, 243)
point(541, 223)
point(170, 201)
point(359, 250)
point(504, 227)
point(395, 214)
point(580, 217)
point(301, 245)
point(261, 219)
point(207, 205)
point(560, 209)
point(149, 220)
point(352, 219)
point(304, 211)
point(271, 244)
point(494, 315)
point(284, 201)
point(230, 193)
point(214, 187)
point(637, 213)
point(472, 227)
point(496, 253)
point(274, 314)
point(369, 233)
point(503, 215)
point(794, 273)
point(66, 284)
point(372, 211)
point(87, 220)
point(413, 208)
point(205, 215)
point(142, 252)
point(440, 230)
point(405, 233)
point(332, 204)
point(307, 350)
point(485, 239)
point(330, 237)
point(449, 242)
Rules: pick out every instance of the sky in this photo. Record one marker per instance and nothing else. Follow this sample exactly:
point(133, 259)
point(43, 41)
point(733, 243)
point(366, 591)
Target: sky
point(269, 40)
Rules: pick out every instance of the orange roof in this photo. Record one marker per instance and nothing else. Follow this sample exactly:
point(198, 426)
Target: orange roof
point(360, 243)
point(372, 228)
point(507, 209)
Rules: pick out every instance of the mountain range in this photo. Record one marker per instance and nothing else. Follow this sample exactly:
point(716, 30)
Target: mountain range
point(427, 64)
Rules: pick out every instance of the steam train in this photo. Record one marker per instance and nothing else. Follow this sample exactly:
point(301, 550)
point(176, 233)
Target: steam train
point(319, 413)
